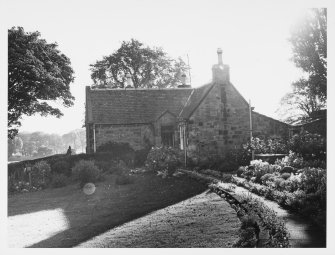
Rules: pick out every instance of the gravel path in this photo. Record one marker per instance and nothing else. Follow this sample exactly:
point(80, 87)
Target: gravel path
point(205, 220)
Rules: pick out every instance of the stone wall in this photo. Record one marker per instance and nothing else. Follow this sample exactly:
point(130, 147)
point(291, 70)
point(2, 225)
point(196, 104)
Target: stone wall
point(89, 138)
point(222, 122)
point(137, 135)
point(315, 127)
point(204, 124)
point(265, 127)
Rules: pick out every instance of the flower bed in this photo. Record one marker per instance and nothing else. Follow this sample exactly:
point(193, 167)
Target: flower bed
point(255, 216)
point(302, 191)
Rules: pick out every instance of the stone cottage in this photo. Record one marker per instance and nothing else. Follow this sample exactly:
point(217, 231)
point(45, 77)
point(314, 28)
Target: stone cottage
point(207, 120)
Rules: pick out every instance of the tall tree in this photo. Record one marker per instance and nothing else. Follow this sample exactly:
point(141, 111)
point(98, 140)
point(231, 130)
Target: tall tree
point(37, 73)
point(70, 139)
point(56, 143)
point(81, 138)
point(148, 67)
point(309, 46)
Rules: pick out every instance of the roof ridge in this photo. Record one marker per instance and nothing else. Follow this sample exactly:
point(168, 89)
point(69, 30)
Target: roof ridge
point(197, 101)
point(188, 99)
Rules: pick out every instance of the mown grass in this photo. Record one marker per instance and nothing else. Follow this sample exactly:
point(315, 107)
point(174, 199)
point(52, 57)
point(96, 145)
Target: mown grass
point(89, 215)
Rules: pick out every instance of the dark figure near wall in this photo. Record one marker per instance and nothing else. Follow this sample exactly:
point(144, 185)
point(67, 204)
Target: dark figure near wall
point(69, 151)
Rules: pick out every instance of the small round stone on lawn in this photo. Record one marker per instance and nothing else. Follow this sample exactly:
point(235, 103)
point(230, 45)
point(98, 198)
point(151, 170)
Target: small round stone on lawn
point(89, 188)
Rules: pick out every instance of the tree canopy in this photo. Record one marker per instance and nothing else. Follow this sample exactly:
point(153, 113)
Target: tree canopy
point(38, 144)
point(148, 67)
point(309, 46)
point(37, 73)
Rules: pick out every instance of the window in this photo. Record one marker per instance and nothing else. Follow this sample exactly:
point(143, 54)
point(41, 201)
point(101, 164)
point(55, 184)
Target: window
point(167, 135)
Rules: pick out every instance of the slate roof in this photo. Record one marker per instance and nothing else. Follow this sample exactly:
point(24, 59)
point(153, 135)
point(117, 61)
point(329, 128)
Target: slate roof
point(131, 106)
point(195, 100)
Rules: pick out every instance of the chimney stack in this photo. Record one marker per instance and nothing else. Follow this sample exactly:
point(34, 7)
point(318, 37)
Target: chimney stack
point(220, 71)
point(183, 81)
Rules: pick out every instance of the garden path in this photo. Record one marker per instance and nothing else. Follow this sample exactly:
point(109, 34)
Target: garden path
point(302, 232)
point(204, 220)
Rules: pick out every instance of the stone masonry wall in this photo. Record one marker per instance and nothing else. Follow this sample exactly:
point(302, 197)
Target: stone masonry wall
point(315, 127)
point(218, 124)
point(265, 127)
point(89, 138)
point(137, 135)
point(204, 124)
point(222, 122)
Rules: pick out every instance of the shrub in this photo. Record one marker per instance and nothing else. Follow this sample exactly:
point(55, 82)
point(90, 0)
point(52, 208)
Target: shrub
point(226, 177)
point(310, 146)
point(211, 172)
point(141, 156)
point(278, 234)
point(268, 178)
point(115, 148)
point(260, 168)
point(124, 179)
point(15, 186)
point(256, 145)
point(313, 180)
point(285, 176)
point(107, 166)
point(85, 171)
point(269, 194)
point(247, 236)
point(292, 160)
point(40, 174)
point(163, 159)
point(227, 166)
point(59, 180)
point(269, 146)
point(240, 171)
point(230, 162)
point(227, 163)
point(117, 151)
point(304, 193)
point(238, 157)
point(276, 146)
point(61, 167)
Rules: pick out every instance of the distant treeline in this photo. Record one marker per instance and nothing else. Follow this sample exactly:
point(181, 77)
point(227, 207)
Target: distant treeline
point(38, 144)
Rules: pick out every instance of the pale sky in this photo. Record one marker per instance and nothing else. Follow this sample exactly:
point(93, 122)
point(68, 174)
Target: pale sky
point(253, 38)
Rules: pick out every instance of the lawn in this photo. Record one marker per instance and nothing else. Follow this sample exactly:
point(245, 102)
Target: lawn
point(65, 217)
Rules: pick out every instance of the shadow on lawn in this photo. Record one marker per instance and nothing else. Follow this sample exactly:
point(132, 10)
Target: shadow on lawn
point(110, 206)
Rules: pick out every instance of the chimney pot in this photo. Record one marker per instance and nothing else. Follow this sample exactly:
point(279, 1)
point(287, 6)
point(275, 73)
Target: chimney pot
point(219, 51)
point(220, 71)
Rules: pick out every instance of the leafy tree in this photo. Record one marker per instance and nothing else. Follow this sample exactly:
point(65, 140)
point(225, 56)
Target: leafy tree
point(81, 138)
point(37, 72)
point(56, 143)
point(70, 139)
point(11, 147)
point(14, 145)
point(148, 67)
point(309, 45)
point(43, 151)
